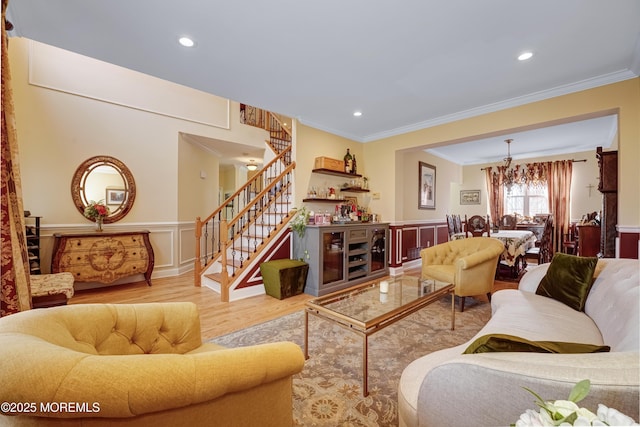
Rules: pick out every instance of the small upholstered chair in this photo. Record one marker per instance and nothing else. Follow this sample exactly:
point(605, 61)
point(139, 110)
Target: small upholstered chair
point(142, 364)
point(470, 264)
point(49, 290)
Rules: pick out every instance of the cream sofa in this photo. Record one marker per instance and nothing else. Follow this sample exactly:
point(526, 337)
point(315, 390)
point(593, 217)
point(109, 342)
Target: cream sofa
point(137, 364)
point(470, 264)
point(447, 388)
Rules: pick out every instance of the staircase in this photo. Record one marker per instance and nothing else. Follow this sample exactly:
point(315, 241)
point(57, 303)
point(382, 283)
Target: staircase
point(233, 238)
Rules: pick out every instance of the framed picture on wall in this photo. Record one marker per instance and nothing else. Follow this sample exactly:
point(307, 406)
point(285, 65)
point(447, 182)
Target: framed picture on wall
point(351, 200)
point(426, 186)
point(469, 197)
point(115, 196)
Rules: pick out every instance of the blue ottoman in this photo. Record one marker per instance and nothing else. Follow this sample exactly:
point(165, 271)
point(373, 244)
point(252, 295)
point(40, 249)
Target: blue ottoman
point(284, 278)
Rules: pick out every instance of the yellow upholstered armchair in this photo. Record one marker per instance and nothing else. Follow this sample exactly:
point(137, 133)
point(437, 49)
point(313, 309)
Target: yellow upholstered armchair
point(138, 364)
point(470, 264)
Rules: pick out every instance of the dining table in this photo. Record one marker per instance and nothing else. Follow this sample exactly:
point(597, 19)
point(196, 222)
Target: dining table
point(516, 244)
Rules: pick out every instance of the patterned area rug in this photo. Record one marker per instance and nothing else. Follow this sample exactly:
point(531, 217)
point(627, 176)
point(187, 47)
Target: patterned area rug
point(328, 392)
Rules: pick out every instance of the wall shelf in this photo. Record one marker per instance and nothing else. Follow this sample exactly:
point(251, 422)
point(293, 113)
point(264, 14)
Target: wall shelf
point(337, 173)
point(317, 199)
point(354, 189)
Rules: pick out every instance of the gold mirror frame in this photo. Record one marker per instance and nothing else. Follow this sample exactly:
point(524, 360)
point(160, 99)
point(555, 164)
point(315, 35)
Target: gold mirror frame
point(78, 186)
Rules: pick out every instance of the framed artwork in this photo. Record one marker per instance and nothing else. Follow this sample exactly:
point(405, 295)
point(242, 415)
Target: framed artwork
point(351, 200)
point(426, 186)
point(115, 196)
point(469, 197)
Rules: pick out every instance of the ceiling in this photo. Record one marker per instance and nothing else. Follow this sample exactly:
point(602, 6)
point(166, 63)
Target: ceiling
point(228, 153)
point(405, 65)
point(566, 138)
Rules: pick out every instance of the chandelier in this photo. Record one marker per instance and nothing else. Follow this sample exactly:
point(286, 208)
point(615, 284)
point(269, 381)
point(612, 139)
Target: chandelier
point(533, 174)
point(252, 165)
point(511, 176)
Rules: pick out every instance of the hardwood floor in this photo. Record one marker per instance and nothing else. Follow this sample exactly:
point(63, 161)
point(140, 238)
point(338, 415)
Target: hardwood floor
point(216, 317)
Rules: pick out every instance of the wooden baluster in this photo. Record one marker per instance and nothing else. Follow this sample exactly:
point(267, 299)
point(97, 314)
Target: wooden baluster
point(224, 276)
point(197, 265)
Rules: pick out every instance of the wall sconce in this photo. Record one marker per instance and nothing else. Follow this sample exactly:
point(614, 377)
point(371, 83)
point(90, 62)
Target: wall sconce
point(252, 166)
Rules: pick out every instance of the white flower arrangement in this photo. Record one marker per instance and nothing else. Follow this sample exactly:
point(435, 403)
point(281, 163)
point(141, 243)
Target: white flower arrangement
point(567, 413)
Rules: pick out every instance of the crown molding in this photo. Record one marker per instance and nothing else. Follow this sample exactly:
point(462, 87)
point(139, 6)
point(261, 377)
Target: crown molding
point(330, 130)
point(581, 85)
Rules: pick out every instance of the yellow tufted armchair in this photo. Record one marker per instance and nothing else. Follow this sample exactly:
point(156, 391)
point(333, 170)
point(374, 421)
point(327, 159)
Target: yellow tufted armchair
point(470, 264)
point(137, 364)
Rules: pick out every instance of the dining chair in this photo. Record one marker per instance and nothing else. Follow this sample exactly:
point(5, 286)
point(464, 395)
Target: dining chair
point(454, 227)
point(544, 252)
point(477, 225)
point(457, 222)
point(508, 222)
point(570, 240)
point(451, 227)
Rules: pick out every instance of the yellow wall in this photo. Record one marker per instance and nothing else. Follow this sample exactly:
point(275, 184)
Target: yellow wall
point(447, 173)
point(622, 97)
point(228, 180)
point(312, 143)
point(198, 181)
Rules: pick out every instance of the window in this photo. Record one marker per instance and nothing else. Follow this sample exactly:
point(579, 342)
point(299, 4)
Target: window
point(526, 200)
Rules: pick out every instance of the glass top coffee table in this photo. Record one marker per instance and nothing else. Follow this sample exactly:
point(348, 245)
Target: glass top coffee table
point(368, 308)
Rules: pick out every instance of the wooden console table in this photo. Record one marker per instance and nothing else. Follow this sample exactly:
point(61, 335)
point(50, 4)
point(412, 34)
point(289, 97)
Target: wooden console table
point(103, 256)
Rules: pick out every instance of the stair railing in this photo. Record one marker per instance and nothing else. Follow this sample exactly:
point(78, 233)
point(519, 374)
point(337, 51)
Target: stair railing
point(245, 221)
point(279, 136)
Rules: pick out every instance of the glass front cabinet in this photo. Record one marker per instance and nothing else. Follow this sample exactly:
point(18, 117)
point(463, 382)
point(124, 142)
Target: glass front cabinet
point(379, 259)
point(332, 257)
point(342, 255)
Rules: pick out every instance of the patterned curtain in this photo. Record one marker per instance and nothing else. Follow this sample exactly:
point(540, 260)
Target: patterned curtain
point(14, 282)
point(495, 190)
point(559, 188)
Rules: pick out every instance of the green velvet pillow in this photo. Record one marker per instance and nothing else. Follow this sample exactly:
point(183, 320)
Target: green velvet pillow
point(509, 343)
point(568, 279)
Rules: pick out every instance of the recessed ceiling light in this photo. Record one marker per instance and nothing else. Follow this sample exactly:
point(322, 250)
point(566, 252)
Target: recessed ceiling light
point(525, 56)
point(186, 42)
point(357, 113)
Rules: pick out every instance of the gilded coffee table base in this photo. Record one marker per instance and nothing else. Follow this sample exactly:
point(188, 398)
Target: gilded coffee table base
point(365, 329)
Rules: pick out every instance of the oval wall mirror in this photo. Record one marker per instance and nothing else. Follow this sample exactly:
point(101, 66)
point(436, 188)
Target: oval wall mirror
point(106, 179)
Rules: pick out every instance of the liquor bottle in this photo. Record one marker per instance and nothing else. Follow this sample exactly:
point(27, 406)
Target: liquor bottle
point(354, 167)
point(348, 162)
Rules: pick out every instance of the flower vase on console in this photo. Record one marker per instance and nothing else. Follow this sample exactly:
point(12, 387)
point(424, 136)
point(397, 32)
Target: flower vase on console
point(96, 211)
